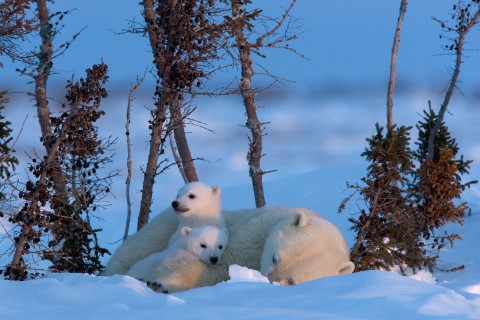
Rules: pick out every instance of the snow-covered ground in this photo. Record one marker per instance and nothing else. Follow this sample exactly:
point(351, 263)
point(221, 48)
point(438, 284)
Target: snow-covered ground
point(248, 295)
point(315, 138)
point(316, 145)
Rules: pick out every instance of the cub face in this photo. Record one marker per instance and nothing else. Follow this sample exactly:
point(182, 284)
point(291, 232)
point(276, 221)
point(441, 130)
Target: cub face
point(207, 242)
point(197, 198)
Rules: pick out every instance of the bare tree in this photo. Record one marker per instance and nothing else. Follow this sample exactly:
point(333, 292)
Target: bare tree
point(466, 16)
point(157, 122)
point(184, 39)
point(393, 64)
point(245, 48)
point(45, 57)
point(39, 68)
point(133, 88)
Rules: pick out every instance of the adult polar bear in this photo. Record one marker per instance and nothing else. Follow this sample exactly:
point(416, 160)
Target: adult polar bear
point(289, 245)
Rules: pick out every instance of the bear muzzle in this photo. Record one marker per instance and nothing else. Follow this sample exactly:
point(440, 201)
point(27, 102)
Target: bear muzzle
point(274, 276)
point(178, 208)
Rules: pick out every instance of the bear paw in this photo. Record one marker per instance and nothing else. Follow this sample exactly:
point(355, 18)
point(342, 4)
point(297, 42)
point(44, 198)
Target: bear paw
point(157, 287)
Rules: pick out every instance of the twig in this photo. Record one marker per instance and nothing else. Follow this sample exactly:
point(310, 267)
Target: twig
point(177, 158)
point(461, 267)
point(462, 33)
point(133, 88)
point(279, 24)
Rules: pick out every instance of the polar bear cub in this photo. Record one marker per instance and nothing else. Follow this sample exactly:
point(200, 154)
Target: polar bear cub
point(205, 244)
point(197, 204)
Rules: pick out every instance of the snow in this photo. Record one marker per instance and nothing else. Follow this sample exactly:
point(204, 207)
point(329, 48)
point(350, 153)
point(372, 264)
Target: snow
point(249, 295)
point(331, 113)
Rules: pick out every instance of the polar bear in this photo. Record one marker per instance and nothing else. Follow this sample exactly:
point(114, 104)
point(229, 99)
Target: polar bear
point(306, 247)
point(197, 246)
point(282, 251)
point(197, 204)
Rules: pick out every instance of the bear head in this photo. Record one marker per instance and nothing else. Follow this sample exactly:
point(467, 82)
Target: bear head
point(197, 198)
point(302, 248)
point(207, 242)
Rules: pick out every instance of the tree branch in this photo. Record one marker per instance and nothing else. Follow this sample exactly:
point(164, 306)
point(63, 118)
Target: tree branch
point(462, 33)
point(393, 64)
point(260, 39)
point(133, 88)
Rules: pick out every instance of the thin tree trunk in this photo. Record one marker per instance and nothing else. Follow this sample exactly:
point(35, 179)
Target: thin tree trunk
point(155, 150)
point(177, 122)
point(452, 84)
point(129, 157)
point(28, 222)
point(129, 174)
point(393, 64)
point(45, 56)
point(43, 71)
point(255, 146)
point(19, 249)
point(157, 138)
point(178, 161)
point(176, 119)
point(156, 128)
point(363, 231)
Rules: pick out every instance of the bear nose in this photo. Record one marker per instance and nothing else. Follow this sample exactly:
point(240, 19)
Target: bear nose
point(175, 204)
point(214, 260)
point(270, 277)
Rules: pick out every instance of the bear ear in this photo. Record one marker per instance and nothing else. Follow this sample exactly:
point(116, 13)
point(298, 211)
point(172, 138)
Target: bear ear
point(346, 267)
point(217, 190)
point(185, 231)
point(299, 220)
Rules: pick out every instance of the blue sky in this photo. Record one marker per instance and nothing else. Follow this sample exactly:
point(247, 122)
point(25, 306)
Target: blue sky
point(346, 42)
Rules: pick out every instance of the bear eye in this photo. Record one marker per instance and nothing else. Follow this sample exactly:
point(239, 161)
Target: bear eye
point(191, 196)
point(275, 259)
point(291, 282)
point(220, 247)
point(203, 245)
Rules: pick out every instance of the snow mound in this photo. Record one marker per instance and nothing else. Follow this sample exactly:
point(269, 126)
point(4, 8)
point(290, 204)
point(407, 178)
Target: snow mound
point(243, 274)
point(420, 275)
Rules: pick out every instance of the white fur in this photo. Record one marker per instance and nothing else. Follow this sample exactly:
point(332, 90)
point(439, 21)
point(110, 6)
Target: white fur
point(202, 244)
point(309, 243)
point(207, 242)
point(287, 262)
point(197, 204)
